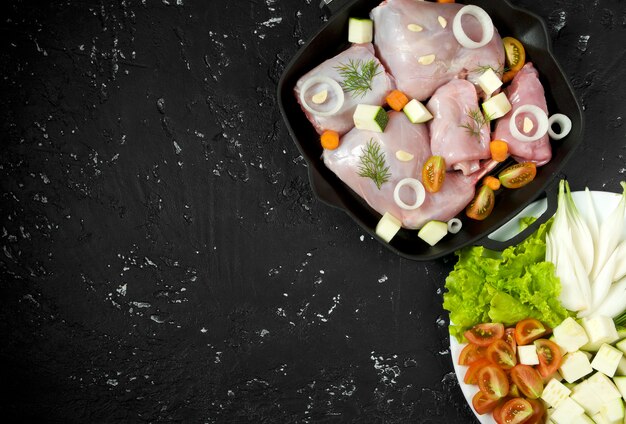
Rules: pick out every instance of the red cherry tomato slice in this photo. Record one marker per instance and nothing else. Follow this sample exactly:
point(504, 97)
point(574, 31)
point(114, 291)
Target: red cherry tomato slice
point(529, 330)
point(471, 353)
point(471, 376)
point(527, 380)
point(493, 382)
point(549, 357)
point(518, 175)
point(483, 404)
point(516, 411)
point(497, 412)
point(509, 337)
point(485, 334)
point(482, 205)
point(539, 412)
point(434, 173)
point(501, 354)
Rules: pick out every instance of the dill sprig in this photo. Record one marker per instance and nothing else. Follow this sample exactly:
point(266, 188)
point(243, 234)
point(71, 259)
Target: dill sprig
point(476, 122)
point(358, 75)
point(373, 164)
point(481, 69)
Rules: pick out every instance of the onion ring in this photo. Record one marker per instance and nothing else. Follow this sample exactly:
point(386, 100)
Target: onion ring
point(564, 122)
point(485, 23)
point(334, 85)
point(418, 188)
point(542, 123)
point(454, 225)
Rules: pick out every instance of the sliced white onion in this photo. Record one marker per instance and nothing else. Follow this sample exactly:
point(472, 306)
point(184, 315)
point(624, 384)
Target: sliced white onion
point(485, 23)
point(335, 87)
point(418, 188)
point(542, 123)
point(564, 122)
point(454, 225)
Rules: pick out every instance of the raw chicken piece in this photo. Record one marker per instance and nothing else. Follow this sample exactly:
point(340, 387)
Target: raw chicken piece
point(341, 121)
point(525, 89)
point(400, 46)
point(400, 134)
point(458, 130)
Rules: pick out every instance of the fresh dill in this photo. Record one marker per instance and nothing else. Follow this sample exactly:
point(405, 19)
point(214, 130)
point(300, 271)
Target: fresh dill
point(476, 122)
point(481, 69)
point(358, 75)
point(373, 164)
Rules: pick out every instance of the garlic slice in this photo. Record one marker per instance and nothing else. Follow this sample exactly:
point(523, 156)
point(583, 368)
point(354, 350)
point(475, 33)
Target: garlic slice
point(320, 97)
point(442, 21)
point(414, 28)
point(426, 60)
point(528, 125)
point(403, 156)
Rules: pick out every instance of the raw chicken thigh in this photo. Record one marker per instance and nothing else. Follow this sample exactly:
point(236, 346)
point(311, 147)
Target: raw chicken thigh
point(525, 89)
point(400, 134)
point(341, 121)
point(458, 130)
point(414, 40)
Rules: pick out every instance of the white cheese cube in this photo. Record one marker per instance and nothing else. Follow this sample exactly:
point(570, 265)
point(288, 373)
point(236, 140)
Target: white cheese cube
point(600, 329)
point(527, 355)
point(604, 387)
point(489, 81)
point(607, 359)
point(417, 112)
point(570, 335)
point(574, 366)
point(585, 395)
point(554, 393)
point(567, 412)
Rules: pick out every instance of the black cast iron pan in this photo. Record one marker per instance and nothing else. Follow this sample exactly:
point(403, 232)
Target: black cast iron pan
point(510, 21)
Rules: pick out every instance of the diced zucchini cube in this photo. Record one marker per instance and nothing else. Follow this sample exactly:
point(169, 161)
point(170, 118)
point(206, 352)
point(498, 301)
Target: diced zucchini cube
point(554, 393)
point(613, 411)
point(583, 419)
point(433, 232)
point(604, 387)
point(621, 367)
point(621, 345)
point(567, 412)
point(600, 329)
point(370, 118)
point(620, 383)
point(599, 419)
point(528, 355)
point(489, 81)
point(570, 335)
point(607, 359)
point(497, 106)
point(388, 227)
point(585, 395)
point(360, 30)
point(574, 366)
point(417, 112)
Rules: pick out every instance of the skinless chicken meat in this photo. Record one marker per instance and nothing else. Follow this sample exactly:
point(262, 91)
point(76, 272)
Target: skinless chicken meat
point(414, 40)
point(458, 131)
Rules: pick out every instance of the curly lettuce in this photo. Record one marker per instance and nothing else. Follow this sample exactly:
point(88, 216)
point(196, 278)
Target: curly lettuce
point(506, 287)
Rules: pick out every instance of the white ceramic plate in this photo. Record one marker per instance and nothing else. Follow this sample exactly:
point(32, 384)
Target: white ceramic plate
point(604, 203)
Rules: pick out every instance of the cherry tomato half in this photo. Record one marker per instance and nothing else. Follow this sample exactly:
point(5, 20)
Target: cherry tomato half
point(515, 55)
point(482, 205)
point(516, 411)
point(509, 337)
point(501, 354)
point(493, 382)
point(471, 375)
point(539, 412)
point(484, 334)
point(497, 412)
point(518, 175)
point(483, 404)
point(549, 357)
point(527, 380)
point(471, 353)
point(528, 330)
point(434, 173)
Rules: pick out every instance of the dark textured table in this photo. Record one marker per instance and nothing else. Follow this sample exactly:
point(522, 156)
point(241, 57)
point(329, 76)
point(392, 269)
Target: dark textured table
point(163, 258)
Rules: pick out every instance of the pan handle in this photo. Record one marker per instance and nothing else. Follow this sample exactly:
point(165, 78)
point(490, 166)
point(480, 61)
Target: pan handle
point(551, 193)
point(330, 7)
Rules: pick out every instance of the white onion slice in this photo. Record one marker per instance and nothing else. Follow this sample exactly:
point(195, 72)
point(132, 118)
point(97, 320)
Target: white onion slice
point(335, 87)
point(542, 123)
point(483, 19)
point(454, 225)
point(564, 122)
point(418, 188)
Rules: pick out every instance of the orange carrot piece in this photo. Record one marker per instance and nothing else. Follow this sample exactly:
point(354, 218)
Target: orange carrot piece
point(445, 1)
point(397, 100)
point(499, 150)
point(330, 139)
point(492, 182)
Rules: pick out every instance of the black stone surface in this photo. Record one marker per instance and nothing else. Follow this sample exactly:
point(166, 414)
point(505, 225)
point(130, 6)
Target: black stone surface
point(163, 258)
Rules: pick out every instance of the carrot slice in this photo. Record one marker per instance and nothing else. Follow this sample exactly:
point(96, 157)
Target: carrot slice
point(397, 100)
point(499, 150)
point(330, 139)
point(492, 182)
point(445, 1)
